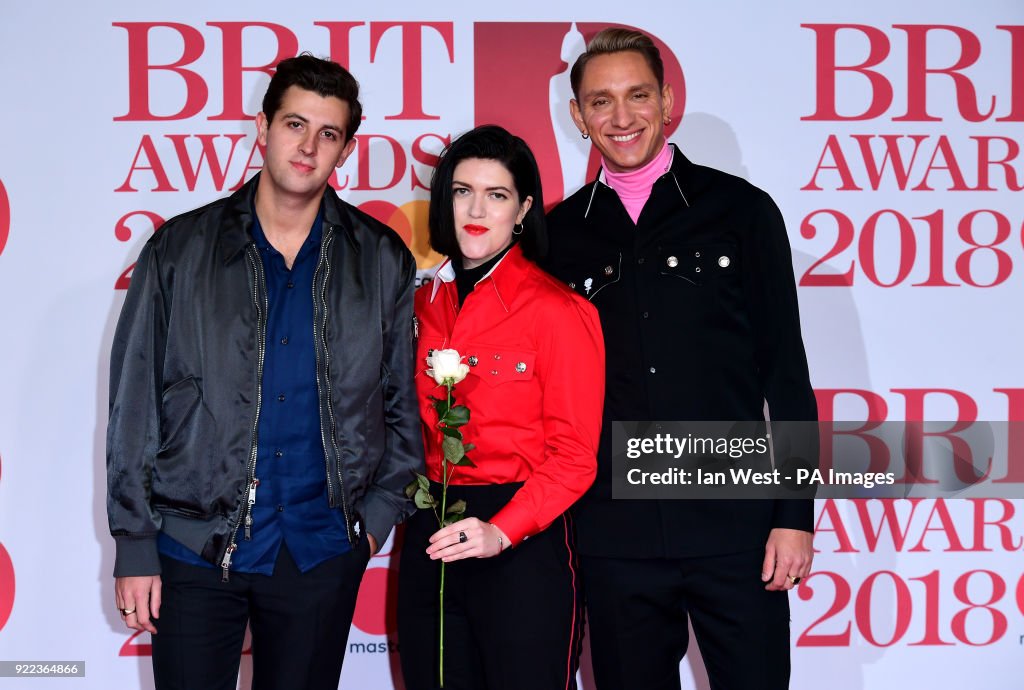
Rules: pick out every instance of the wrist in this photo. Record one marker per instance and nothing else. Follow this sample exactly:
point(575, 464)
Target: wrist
point(503, 541)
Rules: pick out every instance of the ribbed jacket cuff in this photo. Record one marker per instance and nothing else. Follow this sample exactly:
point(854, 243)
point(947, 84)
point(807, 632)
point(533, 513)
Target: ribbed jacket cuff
point(136, 556)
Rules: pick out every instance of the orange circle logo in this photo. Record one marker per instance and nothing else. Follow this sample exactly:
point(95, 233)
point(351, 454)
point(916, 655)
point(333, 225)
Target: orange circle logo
point(410, 221)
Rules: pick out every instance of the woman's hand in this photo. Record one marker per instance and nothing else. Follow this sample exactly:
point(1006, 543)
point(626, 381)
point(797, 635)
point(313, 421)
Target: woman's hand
point(469, 538)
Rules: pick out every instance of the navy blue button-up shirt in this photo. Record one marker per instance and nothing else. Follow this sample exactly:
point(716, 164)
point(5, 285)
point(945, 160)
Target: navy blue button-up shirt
point(291, 500)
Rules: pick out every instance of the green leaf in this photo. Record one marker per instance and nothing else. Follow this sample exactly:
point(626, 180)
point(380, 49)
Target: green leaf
point(423, 482)
point(450, 431)
point(457, 416)
point(411, 488)
point(464, 461)
point(451, 519)
point(468, 447)
point(457, 508)
point(453, 450)
point(424, 499)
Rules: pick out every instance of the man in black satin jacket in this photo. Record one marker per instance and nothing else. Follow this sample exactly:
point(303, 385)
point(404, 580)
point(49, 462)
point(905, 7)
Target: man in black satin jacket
point(263, 421)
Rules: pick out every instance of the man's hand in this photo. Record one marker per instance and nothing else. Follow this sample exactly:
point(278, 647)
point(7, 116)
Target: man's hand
point(787, 557)
point(469, 538)
point(372, 542)
point(141, 597)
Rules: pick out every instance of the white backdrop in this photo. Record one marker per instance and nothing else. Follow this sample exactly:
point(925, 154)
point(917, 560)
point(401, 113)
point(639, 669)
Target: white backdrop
point(910, 264)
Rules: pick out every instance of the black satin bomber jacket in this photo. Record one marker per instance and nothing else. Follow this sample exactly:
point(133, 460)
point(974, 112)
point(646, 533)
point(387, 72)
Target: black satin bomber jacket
point(185, 372)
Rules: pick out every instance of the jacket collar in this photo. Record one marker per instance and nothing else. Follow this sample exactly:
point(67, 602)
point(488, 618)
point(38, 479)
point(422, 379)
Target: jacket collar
point(679, 169)
point(503, 279)
point(235, 233)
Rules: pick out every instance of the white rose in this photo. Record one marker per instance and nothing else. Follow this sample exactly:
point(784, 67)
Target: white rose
point(446, 366)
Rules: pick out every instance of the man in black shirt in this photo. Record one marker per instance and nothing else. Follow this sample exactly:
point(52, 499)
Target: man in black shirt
point(691, 272)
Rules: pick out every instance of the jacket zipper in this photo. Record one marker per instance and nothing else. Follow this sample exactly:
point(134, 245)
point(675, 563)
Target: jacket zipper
point(321, 376)
point(259, 290)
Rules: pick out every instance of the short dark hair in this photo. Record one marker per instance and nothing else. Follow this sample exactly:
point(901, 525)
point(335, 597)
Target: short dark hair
point(489, 142)
point(323, 77)
point(617, 40)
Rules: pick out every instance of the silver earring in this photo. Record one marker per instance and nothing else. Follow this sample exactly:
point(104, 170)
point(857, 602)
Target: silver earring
point(517, 232)
point(584, 135)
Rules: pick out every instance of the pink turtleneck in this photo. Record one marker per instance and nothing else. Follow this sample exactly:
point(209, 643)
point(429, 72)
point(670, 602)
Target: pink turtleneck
point(634, 186)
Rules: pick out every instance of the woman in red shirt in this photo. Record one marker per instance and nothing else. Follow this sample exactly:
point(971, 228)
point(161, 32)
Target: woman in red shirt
point(535, 391)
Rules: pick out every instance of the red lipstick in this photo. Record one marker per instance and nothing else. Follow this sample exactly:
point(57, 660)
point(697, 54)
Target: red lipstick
point(475, 229)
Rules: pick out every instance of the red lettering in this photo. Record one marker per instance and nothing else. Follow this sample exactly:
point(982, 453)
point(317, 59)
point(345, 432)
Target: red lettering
point(959, 622)
point(914, 445)
point(844, 238)
point(877, 410)
point(918, 71)
point(208, 153)
point(147, 148)
point(1016, 113)
point(1014, 435)
point(827, 71)
point(985, 162)
point(902, 609)
point(1006, 539)
point(424, 157)
point(5, 217)
point(946, 526)
point(363, 166)
point(892, 154)
point(889, 518)
point(866, 247)
point(840, 165)
point(338, 36)
point(234, 70)
point(835, 525)
point(139, 69)
point(951, 166)
point(256, 150)
point(412, 62)
point(839, 602)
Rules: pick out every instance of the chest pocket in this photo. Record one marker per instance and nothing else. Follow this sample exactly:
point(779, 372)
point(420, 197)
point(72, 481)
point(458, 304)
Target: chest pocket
point(496, 366)
point(699, 264)
point(596, 275)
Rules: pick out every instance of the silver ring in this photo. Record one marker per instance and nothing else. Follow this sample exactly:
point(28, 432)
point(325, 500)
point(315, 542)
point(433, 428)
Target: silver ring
point(463, 538)
point(127, 612)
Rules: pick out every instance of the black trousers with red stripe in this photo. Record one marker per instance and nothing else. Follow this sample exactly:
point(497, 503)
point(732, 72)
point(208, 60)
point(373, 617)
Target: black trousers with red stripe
point(511, 622)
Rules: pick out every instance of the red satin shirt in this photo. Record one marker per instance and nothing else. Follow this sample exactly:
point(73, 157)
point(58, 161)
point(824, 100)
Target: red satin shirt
point(535, 388)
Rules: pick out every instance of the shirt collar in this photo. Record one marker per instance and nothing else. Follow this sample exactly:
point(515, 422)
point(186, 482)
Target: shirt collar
point(676, 169)
point(504, 282)
point(312, 242)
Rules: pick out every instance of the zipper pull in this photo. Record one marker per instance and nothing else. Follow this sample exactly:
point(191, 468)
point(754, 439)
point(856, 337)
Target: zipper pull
point(249, 511)
point(225, 565)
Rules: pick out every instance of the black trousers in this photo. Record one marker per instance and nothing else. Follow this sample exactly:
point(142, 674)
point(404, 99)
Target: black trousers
point(638, 610)
point(299, 621)
point(511, 622)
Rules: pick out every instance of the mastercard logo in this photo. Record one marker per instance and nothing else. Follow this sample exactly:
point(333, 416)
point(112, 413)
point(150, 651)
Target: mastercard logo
point(5, 217)
point(375, 613)
point(410, 221)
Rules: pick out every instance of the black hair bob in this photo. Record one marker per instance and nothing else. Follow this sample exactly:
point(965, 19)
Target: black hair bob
point(489, 142)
